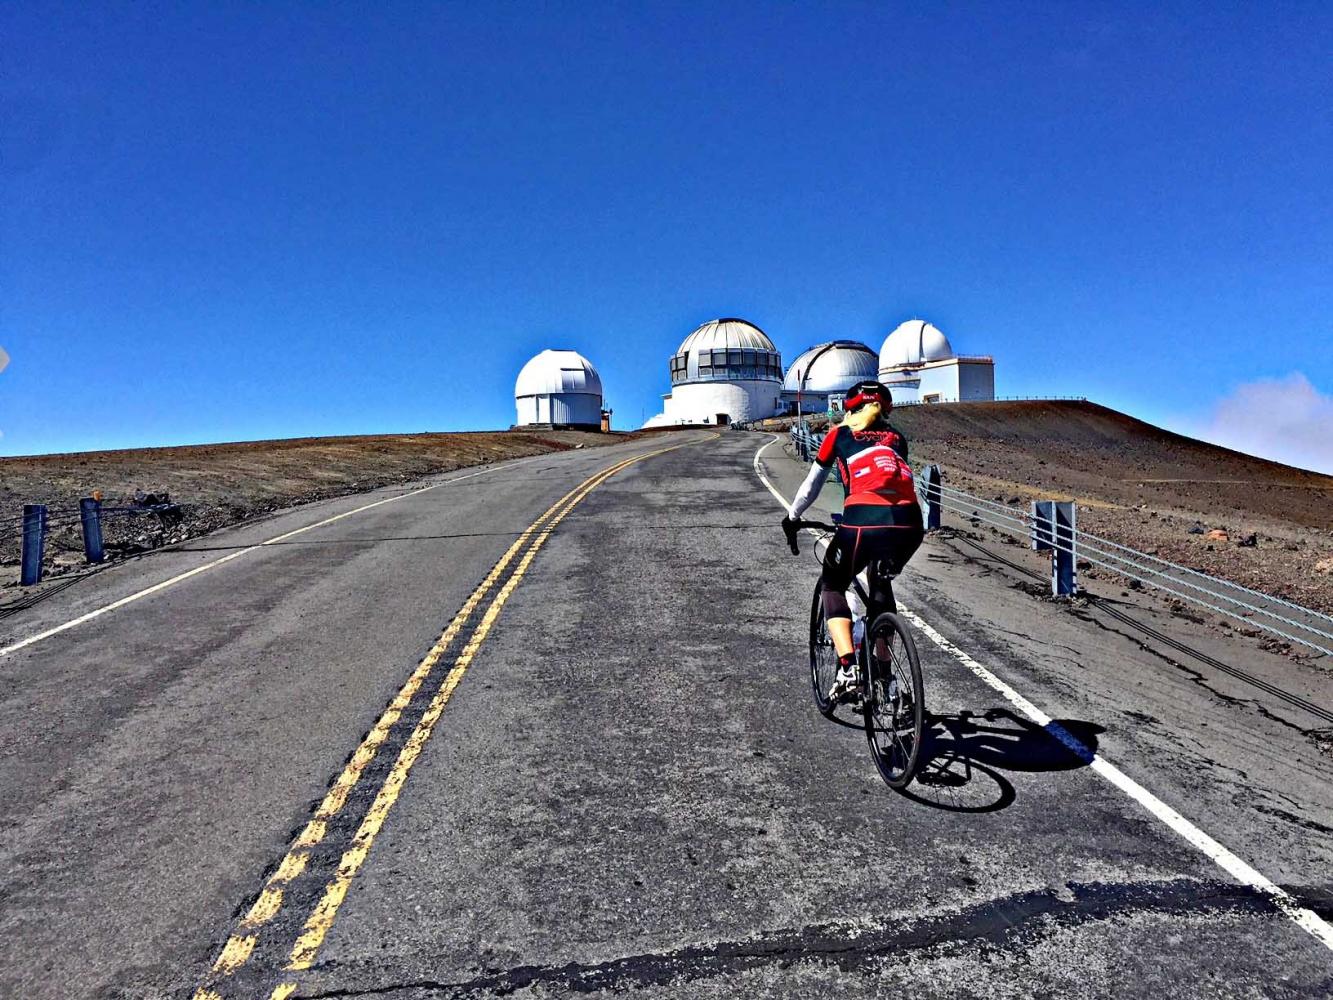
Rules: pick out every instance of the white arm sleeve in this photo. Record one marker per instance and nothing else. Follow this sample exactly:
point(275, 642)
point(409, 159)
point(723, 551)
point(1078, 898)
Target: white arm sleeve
point(809, 490)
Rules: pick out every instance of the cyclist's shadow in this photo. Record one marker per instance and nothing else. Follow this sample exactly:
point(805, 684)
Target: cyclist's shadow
point(963, 755)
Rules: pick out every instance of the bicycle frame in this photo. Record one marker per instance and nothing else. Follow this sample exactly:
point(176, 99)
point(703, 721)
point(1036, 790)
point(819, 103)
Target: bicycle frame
point(861, 587)
point(890, 677)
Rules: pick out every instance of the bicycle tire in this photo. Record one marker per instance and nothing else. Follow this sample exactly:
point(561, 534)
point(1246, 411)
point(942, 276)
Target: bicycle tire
point(823, 657)
point(893, 725)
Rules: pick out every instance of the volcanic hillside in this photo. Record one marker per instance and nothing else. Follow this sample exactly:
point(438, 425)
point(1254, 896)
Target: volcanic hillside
point(1140, 485)
point(221, 484)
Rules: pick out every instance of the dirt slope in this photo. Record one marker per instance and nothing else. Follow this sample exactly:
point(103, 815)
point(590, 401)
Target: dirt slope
point(1140, 485)
point(221, 484)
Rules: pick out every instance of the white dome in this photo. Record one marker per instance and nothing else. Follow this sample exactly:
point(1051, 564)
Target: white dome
point(726, 350)
point(551, 373)
point(914, 343)
point(837, 366)
point(724, 333)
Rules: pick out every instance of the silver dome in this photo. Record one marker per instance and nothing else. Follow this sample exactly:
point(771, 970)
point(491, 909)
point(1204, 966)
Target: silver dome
point(914, 343)
point(835, 366)
point(726, 350)
point(554, 372)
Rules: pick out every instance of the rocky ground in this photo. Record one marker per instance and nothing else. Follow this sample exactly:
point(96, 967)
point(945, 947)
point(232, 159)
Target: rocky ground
point(1259, 523)
point(222, 484)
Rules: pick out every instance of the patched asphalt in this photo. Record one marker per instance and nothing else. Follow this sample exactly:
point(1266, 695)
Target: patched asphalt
point(631, 791)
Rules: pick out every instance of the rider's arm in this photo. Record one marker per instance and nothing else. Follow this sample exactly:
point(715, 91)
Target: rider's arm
point(814, 482)
point(805, 496)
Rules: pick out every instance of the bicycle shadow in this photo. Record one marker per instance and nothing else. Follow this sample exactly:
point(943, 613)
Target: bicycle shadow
point(964, 754)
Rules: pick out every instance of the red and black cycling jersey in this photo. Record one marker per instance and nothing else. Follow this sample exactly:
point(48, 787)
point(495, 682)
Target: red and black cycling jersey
point(876, 479)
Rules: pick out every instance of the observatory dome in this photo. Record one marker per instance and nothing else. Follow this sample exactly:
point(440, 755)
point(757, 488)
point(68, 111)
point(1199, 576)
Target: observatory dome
point(914, 343)
point(724, 333)
point(726, 371)
point(726, 350)
point(558, 372)
point(835, 366)
point(558, 389)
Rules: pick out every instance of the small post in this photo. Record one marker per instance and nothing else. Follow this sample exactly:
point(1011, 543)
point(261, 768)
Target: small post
point(90, 512)
point(933, 497)
point(1043, 518)
point(34, 541)
point(1064, 565)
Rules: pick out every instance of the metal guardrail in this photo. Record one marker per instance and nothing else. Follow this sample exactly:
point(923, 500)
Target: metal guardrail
point(1052, 526)
point(1276, 615)
point(805, 442)
point(38, 520)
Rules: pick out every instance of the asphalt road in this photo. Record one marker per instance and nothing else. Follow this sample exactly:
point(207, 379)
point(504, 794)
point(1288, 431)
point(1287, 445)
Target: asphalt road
point(422, 750)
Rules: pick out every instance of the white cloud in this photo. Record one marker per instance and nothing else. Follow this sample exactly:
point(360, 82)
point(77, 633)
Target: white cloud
point(1284, 419)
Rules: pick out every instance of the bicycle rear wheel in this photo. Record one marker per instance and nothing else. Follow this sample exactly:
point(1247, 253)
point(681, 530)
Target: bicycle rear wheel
point(895, 705)
point(823, 657)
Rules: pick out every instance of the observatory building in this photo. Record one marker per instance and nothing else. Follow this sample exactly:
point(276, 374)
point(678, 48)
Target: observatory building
point(727, 371)
point(558, 389)
point(827, 370)
point(918, 365)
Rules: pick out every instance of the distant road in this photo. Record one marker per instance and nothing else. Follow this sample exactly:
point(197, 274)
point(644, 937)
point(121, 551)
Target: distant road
point(544, 729)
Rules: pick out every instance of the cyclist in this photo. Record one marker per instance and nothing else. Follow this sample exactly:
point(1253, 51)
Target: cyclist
point(881, 518)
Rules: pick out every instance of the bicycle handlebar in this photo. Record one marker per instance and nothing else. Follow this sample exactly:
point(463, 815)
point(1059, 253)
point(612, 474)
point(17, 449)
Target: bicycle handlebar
point(792, 529)
point(819, 525)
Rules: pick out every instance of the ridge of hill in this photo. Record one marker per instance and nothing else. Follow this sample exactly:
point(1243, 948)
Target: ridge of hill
point(222, 484)
point(1128, 460)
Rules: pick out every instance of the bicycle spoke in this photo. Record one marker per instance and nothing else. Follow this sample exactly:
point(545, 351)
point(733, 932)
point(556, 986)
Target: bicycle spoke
point(893, 724)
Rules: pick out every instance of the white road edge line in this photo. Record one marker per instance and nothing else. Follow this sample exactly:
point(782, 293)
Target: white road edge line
point(1233, 865)
point(155, 588)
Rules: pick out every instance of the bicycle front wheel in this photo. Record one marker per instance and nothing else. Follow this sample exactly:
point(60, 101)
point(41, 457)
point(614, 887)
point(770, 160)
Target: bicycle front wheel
point(823, 657)
point(895, 706)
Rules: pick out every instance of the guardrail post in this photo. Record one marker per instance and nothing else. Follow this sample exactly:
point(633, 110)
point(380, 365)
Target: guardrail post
point(34, 541)
point(90, 513)
point(1043, 518)
point(1053, 525)
point(1064, 565)
point(933, 497)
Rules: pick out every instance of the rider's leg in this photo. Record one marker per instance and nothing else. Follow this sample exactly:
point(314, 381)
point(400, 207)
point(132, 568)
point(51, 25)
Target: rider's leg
point(895, 546)
point(840, 631)
point(839, 567)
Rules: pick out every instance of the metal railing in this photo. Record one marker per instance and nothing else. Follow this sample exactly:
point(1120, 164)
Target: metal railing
point(1045, 528)
point(1277, 616)
point(38, 521)
point(805, 443)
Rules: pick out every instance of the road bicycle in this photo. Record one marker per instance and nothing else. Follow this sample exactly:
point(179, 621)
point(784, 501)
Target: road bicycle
point(892, 701)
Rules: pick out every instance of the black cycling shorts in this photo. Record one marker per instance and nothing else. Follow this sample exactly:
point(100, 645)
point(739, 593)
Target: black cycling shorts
point(852, 549)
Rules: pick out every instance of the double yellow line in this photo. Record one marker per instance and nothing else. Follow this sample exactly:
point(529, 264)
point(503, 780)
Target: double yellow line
point(241, 944)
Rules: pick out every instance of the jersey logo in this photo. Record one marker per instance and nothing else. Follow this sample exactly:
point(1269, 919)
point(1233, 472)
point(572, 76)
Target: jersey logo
point(878, 469)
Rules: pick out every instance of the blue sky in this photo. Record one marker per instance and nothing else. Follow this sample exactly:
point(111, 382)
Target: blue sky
point(259, 220)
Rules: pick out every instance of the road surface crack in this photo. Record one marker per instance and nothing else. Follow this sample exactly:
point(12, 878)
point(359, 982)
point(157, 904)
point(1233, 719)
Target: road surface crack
point(854, 945)
point(1292, 818)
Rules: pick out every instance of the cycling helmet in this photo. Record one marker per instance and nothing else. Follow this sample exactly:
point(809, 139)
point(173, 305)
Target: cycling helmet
point(868, 391)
